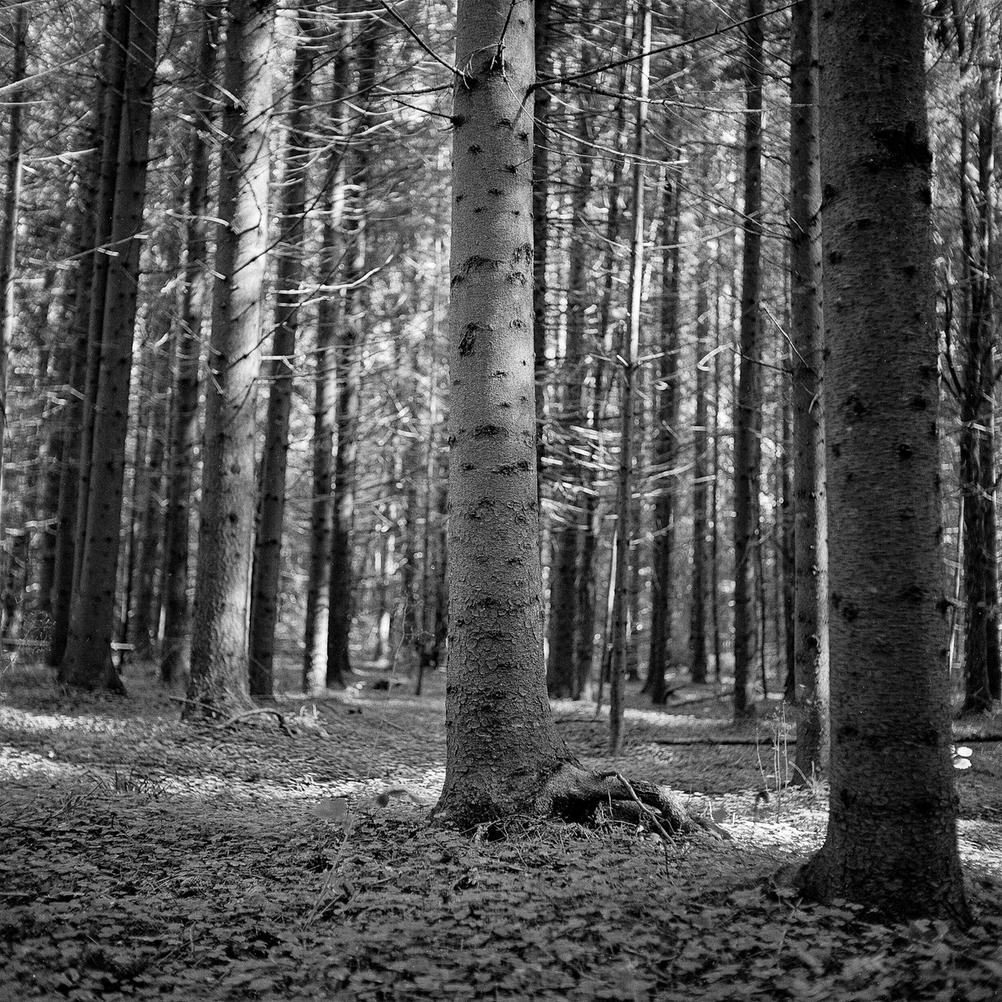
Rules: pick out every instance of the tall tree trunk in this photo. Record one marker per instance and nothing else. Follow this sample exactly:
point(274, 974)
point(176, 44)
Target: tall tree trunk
point(810, 662)
point(291, 273)
point(94, 211)
point(629, 353)
point(176, 659)
point(663, 589)
point(891, 842)
point(501, 742)
point(563, 671)
point(700, 486)
point(226, 528)
point(8, 231)
point(748, 407)
point(349, 378)
point(87, 662)
point(330, 312)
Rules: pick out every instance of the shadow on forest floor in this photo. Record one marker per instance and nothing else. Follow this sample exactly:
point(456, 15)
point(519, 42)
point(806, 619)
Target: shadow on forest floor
point(145, 858)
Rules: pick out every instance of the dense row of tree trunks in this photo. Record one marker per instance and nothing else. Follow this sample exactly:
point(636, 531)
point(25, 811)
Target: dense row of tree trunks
point(748, 404)
point(87, 660)
point(219, 650)
point(891, 841)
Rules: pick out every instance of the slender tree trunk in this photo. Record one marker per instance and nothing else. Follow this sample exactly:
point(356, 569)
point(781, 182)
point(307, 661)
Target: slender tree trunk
point(87, 662)
point(892, 839)
point(219, 647)
point(349, 376)
point(629, 353)
point(291, 273)
point(663, 590)
point(810, 666)
point(501, 742)
point(700, 485)
point(330, 314)
point(176, 659)
point(748, 407)
point(94, 206)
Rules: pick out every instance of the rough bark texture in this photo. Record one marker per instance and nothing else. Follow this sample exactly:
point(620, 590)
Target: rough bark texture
point(226, 528)
point(176, 655)
point(810, 659)
point(748, 408)
point(87, 661)
point(891, 842)
point(291, 273)
point(501, 742)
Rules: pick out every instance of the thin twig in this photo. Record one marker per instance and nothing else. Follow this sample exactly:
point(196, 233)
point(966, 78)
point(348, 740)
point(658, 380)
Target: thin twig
point(658, 827)
point(417, 38)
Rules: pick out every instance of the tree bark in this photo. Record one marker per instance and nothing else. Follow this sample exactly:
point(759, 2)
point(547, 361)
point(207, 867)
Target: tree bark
point(810, 664)
point(291, 274)
point(501, 743)
point(891, 842)
point(176, 658)
point(748, 407)
point(226, 529)
point(87, 662)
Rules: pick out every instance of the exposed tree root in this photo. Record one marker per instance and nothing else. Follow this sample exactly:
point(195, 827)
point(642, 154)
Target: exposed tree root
point(575, 793)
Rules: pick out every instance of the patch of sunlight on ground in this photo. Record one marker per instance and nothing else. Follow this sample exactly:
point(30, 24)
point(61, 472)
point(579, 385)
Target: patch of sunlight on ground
point(17, 765)
point(40, 723)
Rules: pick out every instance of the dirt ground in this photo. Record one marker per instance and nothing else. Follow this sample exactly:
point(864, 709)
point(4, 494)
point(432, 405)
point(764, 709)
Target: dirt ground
point(145, 858)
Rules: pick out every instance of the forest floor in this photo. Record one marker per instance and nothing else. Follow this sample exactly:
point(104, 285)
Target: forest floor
point(145, 858)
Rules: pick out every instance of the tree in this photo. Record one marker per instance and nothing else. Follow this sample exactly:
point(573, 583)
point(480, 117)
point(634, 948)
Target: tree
point(748, 407)
point(291, 273)
point(891, 842)
point(810, 526)
point(176, 657)
point(226, 527)
point(87, 661)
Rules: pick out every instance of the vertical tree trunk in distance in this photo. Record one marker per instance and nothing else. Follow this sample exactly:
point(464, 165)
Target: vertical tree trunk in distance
point(93, 208)
point(630, 351)
point(891, 842)
point(291, 273)
point(8, 233)
point(87, 662)
point(330, 311)
point(501, 742)
point(176, 657)
point(700, 486)
point(349, 377)
point(663, 590)
point(226, 528)
point(810, 664)
point(563, 670)
point(748, 406)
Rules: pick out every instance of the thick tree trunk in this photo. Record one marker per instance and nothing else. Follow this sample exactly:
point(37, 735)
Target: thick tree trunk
point(810, 664)
point(176, 659)
point(87, 662)
point(501, 743)
point(226, 530)
point(291, 273)
point(892, 840)
point(748, 407)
